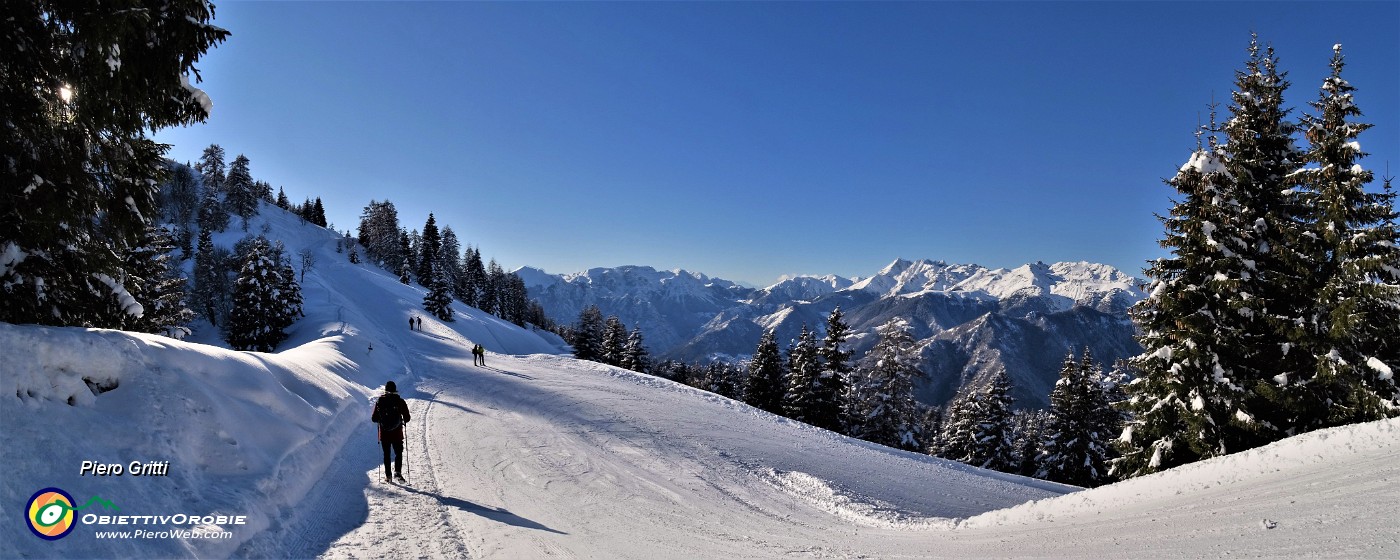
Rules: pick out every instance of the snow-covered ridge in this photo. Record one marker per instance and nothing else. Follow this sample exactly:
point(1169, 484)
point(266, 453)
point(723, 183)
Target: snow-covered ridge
point(1065, 284)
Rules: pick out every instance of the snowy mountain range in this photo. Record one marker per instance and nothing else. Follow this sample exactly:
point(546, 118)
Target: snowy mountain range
point(971, 320)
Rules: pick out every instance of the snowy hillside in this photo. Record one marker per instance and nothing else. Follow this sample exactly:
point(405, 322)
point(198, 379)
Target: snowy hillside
point(539, 455)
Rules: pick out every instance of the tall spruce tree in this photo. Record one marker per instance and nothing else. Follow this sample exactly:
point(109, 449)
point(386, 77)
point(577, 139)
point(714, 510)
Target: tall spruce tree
point(241, 191)
point(1353, 329)
point(182, 205)
point(1078, 434)
point(991, 444)
point(212, 169)
point(429, 247)
point(1185, 404)
point(449, 260)
point(473, 285)
point(614, 341)
point(263, 302)
point(156, 283)
point(832, 395)
point(766, 383)
point(80, 178)
point(804, 373)
point(885, 410)
point(1267, 300)
point(438, 300)
point(588, 334)
point(635, 356)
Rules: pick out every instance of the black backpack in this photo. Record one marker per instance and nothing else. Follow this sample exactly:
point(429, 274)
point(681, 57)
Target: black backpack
point(388, 414)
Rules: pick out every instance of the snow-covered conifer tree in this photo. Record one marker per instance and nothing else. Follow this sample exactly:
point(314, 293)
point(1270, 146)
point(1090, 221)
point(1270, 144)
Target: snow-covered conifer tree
point(473, 284)
point(1186, 403)
point(766, 383)
point(438, 300)
point(210, 286)
point(614, 341)
point(1353, 328)
point(79, 177)
point(991, 443)
point(259, 310)
point(830, 399)
point(1267, 297)
point(886, 411)
point(241, 191)
point(449, 260)
point(635, 356)
point(156, 283)
point(429, 246)
point(804, 372)
point(1080, 428)
point(182, 193)
point(588, 335)
point(212, 169)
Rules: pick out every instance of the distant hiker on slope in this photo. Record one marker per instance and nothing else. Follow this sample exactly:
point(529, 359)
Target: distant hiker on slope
point(391, 413)
point(478, 356)
point(410, 322)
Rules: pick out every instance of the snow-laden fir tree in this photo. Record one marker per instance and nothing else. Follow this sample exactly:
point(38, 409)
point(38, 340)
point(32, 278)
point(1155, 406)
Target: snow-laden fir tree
point(318, 213)
point(635, 356)
point(1267, 297)
point(766, 382)
point(614, 341)
point(429, 247)
point(212, 214)
point(829, 400)
point(212, 169)
point(240, 191)
point(449, 260)
point(1353, 328)
point(282, 201)
point(1027, 429)
point(473, 284)
point(804, 376)
point(1078, 435)
point(492, 291)
point(266, 300)
point(379, 234)
point(721, 379)
point(438, 300)
point(884, 410)
point(958, 427)
point(210, 286)
point(991, 444)
point(156, 283)
point(80, 178)
point(1186, 403)
point(288, 288)
point(588, 334)
point(182, 197)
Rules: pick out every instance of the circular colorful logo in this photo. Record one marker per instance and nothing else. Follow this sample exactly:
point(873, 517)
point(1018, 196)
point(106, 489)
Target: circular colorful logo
point(50, 514)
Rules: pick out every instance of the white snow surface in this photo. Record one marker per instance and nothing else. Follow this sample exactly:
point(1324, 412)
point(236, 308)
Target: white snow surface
point(539, 455)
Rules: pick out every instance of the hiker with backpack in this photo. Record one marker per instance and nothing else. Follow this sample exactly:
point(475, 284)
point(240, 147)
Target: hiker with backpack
point(391, 413)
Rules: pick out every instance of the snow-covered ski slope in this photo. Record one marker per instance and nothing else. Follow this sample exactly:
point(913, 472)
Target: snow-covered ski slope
point(537, 455)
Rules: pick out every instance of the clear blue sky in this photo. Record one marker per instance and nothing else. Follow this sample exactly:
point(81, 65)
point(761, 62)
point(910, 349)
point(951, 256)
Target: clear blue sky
point(752, 140)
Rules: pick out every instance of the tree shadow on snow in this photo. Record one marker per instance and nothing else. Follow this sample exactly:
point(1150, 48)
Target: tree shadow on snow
point(500, 515)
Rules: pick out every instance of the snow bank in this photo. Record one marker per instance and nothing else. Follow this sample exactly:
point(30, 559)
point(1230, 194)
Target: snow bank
point(240, 433)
